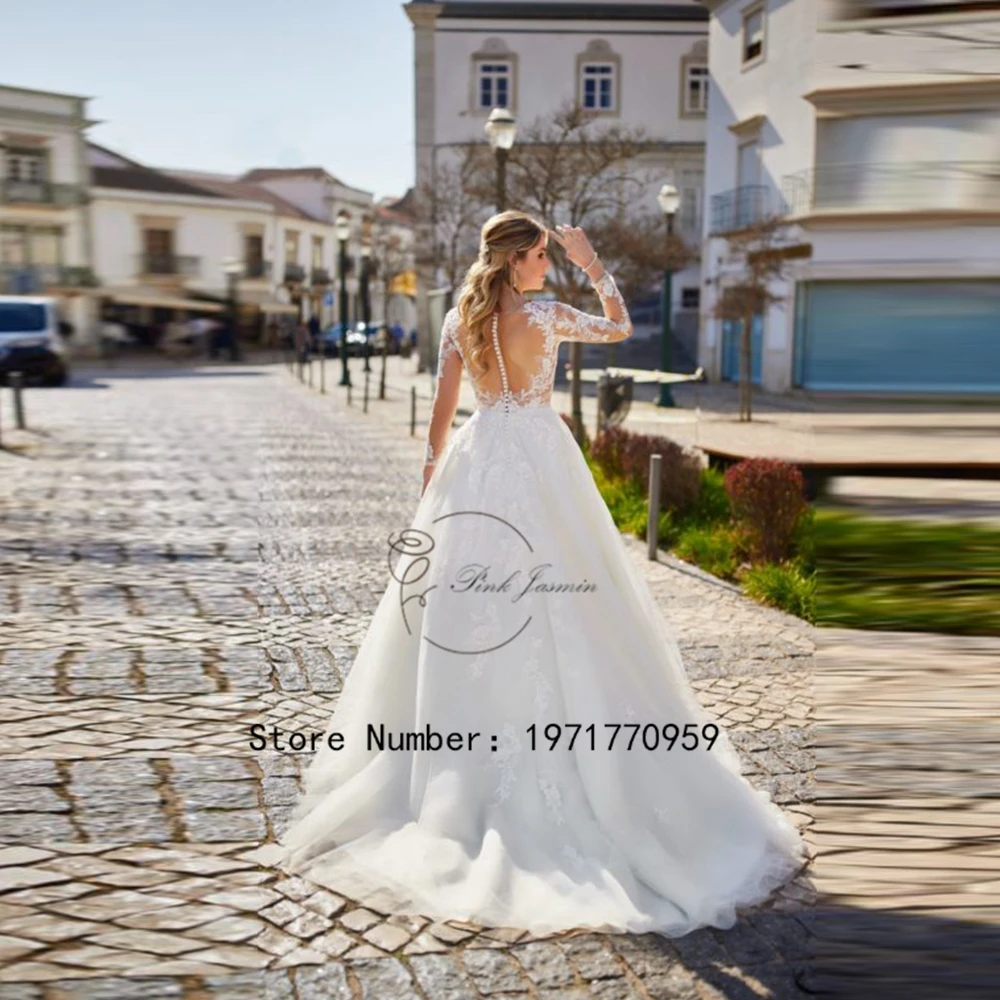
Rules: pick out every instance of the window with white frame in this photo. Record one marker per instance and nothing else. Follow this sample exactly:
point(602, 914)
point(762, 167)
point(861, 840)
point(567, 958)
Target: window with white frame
point(599, 84)
point(753, 34)
point(494, 85)
point(696, 90)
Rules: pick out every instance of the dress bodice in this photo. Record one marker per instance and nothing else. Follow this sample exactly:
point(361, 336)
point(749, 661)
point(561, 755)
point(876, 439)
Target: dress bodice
point(520, 364)
point(532, 376)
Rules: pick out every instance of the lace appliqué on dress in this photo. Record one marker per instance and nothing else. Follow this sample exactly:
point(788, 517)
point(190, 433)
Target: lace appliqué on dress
point(448, 345)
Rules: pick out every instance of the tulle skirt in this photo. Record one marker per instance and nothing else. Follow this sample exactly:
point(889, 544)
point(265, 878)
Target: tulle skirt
point(596, 792)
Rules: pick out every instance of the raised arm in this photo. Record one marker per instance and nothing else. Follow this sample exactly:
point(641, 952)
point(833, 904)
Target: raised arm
point(572, 324)
point(449, 382)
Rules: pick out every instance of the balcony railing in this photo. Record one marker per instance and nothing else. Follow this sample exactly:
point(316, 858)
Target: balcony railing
point(319, 276)
point(741, 207)
point(253, 269)
point(957, 185)
point(168, 264)
point(30, 279)
point(295, 273)
point(14, 192)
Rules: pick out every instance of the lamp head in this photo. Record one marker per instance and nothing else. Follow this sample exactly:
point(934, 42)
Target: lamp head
point(669, 199)
point(342, 227)
point(501, 128)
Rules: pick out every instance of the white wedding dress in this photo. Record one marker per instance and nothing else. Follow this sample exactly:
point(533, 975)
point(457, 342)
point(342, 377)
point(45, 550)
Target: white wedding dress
point(506, 832)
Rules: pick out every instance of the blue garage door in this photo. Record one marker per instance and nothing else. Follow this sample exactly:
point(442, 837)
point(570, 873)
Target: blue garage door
point(898, 336)
point(731, 330)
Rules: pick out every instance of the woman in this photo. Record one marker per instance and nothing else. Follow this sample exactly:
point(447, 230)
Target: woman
point(517, 743)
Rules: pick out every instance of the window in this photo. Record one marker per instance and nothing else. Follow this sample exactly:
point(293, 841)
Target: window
point(317, 251)
point(158, 246)
point(696, 90)
point(253, 248)
point(753, 34)
point(598, 87)
point(291, 246)
point(690, 298)
point(494, 85)
point(27, 165)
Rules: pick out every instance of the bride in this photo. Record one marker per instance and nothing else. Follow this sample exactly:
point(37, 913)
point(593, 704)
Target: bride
point(517, 743)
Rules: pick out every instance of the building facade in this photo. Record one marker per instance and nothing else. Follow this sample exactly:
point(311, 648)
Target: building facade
point(638, 65)
point(46, 237)
point(871, 130)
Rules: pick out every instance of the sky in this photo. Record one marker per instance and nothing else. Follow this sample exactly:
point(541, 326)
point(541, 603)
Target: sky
point(226, 85)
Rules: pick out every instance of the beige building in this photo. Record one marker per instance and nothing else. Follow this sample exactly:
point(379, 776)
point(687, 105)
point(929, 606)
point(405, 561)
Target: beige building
point(638, 65)
point(46, 238)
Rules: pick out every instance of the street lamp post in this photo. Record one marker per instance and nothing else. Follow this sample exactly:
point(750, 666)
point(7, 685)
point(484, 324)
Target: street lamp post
point(342, 227)
point(670, 201)
point(366, 302)
point(501, 129)
point(232, 268)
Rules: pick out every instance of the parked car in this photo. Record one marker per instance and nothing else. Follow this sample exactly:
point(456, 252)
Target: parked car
point(395, 335)
point(357, 337)
point(30, 340)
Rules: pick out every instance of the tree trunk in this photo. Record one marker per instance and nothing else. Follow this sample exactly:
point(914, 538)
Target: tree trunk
point(575, 355)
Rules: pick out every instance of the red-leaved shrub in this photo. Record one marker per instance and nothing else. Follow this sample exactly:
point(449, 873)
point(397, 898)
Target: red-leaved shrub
point(767, 501)
point(623, 453)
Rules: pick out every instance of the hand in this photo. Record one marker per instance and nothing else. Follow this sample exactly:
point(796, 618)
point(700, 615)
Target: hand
point(575, 243)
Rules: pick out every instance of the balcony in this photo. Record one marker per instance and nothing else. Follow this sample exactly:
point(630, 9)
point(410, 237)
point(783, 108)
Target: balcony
point(14, 192)
point(254, 270)
point(319, 276)
point(294, 274)
point(155, 265)
point(35, 279)
point(937, 187)
point(741, 208)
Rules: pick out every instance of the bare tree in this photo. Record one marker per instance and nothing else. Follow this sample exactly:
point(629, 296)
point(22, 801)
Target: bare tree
point(760, 251)
point(453, 208)
point(568, 168)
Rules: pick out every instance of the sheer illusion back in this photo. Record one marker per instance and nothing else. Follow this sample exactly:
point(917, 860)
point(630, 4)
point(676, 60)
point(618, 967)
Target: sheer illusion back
point(528, 342)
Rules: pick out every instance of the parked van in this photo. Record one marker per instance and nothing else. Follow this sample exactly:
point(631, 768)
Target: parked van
point(30, 341)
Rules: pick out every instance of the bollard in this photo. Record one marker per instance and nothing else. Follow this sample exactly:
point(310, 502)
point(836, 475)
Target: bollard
point(310, 363)
point(367, 380)
point(413, 411)
point(350, 386)
point(653, 525)
point(322, 372)
point(16, 383)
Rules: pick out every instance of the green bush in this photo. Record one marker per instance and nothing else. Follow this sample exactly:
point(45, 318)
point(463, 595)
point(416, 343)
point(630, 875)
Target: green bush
point(783, 585)
point(713, 501)
point(714, 549)
point(768, 500)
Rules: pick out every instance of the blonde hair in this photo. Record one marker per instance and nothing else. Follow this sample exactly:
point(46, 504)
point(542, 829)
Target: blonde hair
point(504, 234)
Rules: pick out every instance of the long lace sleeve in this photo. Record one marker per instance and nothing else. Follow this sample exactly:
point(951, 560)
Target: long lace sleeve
point(614, 325)
point(449, 382)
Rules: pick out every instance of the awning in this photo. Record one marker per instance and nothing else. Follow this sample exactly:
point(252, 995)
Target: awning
point(138, 295)
point(266, 302)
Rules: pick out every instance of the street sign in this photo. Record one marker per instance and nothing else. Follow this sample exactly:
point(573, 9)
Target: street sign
point(328, 299)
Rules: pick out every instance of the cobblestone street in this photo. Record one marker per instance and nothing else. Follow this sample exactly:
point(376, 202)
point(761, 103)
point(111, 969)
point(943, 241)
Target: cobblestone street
point(184, 553)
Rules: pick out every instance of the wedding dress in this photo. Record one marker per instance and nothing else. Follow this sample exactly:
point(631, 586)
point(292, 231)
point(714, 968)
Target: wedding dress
point(524, 826)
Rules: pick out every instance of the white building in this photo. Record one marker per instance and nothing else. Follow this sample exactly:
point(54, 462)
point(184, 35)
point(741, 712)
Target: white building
point(873, 128)
point(45, 233)
point(640, 65)
point(164, 240)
